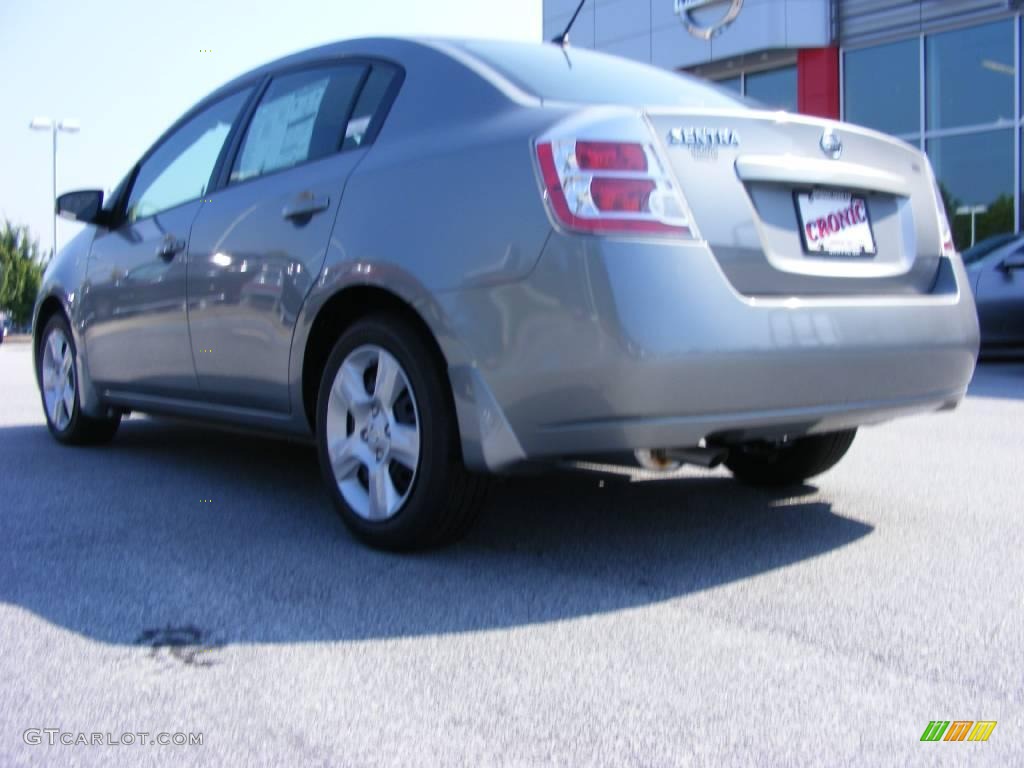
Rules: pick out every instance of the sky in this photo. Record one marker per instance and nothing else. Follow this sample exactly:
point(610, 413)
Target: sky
point(127, 69)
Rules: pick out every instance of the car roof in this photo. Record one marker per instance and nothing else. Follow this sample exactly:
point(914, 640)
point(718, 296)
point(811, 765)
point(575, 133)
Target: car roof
point(403, 51)
point(392, 48)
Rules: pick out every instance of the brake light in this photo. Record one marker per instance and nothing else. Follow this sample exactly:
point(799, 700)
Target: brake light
point(629, 195)
point(945, 231)
point(610, 156)
point(611, 186)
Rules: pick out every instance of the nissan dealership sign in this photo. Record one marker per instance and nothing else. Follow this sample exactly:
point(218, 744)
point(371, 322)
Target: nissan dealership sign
point(730, 9)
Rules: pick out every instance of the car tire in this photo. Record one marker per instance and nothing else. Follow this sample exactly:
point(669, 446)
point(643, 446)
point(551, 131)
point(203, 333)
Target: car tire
point(789, 463)
point(391, 407)
point(57, 374)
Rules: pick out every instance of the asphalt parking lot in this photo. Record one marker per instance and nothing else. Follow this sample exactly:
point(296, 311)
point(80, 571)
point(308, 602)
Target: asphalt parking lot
point(189, 580)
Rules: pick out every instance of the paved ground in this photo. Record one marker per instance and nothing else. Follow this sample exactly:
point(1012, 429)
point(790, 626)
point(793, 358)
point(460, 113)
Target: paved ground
point(680, 622)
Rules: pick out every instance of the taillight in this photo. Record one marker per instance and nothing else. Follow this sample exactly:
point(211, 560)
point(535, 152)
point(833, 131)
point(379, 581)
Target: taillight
point(623, 195)
point(610, 156)
point(945, 231)
point(611, 186)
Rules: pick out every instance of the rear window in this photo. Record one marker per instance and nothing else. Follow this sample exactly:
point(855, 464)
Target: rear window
point(553, 73)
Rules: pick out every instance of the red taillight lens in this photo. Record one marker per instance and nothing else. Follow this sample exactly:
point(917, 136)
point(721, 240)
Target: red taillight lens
point(607, 187)
point(622, 195)
point(945, 232)
point(610, 156)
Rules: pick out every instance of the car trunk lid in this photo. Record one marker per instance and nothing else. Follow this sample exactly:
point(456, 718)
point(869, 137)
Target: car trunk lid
point(795, 205)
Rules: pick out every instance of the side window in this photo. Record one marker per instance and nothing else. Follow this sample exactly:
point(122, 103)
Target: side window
point(300, 118)
point(368, 107)
point(180, 168)
point(111, 200)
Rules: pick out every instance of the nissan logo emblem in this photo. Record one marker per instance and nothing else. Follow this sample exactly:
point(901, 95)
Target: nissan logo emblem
point(831, 144)
point(684, 10)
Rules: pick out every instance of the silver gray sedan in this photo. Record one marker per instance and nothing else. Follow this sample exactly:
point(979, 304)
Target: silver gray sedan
point(445, 259)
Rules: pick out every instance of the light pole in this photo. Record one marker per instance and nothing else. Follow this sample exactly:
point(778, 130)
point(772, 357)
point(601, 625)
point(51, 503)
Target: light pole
point(972, 211)
point(68, 126)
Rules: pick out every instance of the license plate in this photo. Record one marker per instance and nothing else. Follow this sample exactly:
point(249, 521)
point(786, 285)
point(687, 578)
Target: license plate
point(835, 223)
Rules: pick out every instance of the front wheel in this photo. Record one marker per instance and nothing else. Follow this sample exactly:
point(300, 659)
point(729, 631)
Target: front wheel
point(789, 463)
point(58, 385)
point(388, 440)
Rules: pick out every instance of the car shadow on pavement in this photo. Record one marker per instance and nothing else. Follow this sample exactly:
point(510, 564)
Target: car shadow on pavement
point(230, 539)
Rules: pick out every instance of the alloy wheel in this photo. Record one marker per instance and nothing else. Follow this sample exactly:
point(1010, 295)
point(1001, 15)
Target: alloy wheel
point(59, 382)
point(373, 433)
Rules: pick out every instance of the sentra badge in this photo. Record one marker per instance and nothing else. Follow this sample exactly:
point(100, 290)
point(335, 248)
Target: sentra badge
point(704, 137)
point(704, 143)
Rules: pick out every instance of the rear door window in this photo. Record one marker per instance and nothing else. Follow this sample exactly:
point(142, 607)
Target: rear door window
point(301, 118)
point(369, 111)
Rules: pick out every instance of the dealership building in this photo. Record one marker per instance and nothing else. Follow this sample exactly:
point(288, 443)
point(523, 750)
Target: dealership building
point(943, 75)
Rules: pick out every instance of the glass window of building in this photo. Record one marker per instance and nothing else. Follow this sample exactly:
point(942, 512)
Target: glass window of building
point(975, 173)
point(970, 75)
point(882, 87)
point(734, 84)
point(775, 88)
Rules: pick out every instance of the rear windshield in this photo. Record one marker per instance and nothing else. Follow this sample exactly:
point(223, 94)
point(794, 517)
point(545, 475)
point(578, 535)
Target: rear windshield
point(553, 73)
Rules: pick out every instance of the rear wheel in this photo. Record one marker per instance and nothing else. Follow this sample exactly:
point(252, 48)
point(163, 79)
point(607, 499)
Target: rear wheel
point(789, 463)
point(388, 440)
point(58, 383)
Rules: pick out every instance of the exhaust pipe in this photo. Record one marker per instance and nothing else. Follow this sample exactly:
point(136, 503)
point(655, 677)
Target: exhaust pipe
point(669, 459)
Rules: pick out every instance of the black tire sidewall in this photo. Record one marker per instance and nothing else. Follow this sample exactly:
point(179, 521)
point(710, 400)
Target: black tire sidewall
point(808, 457)
point(416, 523)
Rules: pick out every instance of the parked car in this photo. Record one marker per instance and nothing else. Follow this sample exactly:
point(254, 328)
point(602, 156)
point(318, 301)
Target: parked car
point(995, 271)
point(495, 255)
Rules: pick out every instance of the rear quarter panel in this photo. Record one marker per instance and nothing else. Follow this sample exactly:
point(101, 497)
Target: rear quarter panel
point(447, 199)
point(449, 193)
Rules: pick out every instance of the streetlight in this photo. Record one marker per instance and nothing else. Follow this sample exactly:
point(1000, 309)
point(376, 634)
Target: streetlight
point(68, 126)
point(972, 211)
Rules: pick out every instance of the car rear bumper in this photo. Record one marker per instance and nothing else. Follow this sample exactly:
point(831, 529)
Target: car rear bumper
point(613, 345)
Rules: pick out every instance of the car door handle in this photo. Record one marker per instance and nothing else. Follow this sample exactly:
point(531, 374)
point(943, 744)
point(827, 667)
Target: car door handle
point(169, 247)
point(306, 204)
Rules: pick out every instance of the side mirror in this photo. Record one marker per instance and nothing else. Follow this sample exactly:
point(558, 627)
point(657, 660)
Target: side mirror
point(85, 206)
point(1012, 262)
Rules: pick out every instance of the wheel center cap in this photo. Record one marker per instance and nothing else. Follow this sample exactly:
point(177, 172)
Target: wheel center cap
point(377, 433)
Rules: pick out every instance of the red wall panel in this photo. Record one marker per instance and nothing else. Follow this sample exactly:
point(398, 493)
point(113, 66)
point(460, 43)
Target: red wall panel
point(817, 82)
